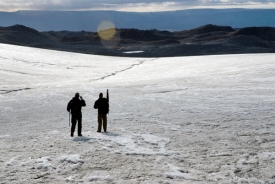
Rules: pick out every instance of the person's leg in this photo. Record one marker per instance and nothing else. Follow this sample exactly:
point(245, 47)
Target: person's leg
point(99, 119)
point(104, 117)
point(73, 126)
point(79, 127)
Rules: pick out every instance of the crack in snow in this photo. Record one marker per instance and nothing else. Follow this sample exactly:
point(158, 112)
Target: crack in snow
point(23, 73)
point(120, 71)
point(14, 90)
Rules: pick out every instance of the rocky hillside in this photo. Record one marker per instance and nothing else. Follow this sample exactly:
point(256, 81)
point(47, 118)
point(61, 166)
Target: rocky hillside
point(205, 40)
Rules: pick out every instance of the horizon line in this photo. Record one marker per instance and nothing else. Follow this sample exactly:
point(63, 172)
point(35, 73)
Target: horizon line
point(248, 7)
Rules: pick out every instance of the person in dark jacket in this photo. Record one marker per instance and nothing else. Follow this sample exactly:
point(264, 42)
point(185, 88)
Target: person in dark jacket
point(74, 107)
point(102, 105)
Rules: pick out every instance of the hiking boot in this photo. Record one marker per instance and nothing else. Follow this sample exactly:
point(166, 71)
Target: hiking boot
point(80, 135)
point(72, 134)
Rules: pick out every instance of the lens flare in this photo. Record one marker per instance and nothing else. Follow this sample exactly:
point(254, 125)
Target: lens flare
point(106, 30)
point(108, 34)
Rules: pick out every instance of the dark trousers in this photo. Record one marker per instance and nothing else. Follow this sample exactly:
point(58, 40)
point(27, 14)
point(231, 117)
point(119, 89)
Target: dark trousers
point(76, 119)
point(102, 118)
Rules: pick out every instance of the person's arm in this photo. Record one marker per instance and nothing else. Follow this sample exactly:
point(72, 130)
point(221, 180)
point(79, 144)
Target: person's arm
point(69, 106)
point(83, 103)
point(96, 105)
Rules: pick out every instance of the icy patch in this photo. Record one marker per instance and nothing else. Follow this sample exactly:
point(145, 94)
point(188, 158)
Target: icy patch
point(44, 163)
point(4, 136)
point(157, 141)
point(72, 159)
point(144, 144)
point(99, 178)
point(10, 162)
point(135, 144)
point(107, 147)
point(54, 132)
point(177, 173)
point(26, 163)
point(267, 156)
point(8, 109)
point(133, 52)
point(247, 159)
point(249, 180)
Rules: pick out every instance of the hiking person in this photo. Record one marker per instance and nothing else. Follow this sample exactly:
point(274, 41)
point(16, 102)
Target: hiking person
point(102, 105)
point(74, 107)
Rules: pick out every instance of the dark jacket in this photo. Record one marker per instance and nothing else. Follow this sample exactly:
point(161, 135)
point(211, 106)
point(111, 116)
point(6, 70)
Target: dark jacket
point(102, 105)
point(75, 106)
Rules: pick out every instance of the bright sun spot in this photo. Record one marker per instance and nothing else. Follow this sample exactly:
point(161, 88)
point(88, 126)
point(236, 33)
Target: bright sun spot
point(106, 30)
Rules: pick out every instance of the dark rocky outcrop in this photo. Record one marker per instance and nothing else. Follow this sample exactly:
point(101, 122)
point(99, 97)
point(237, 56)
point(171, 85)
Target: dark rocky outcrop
point(265, 33)
point(21, 35)
point(204, 40)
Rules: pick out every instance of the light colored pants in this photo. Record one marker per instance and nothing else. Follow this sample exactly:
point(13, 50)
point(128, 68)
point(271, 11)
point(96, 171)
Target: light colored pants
point(102, 118)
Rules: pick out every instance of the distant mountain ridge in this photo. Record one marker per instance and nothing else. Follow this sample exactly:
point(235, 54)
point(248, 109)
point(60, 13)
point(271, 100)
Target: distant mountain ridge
point(204, 40)
point(171, 20)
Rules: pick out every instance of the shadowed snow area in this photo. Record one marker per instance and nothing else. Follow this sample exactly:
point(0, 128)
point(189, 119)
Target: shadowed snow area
point(199, 119)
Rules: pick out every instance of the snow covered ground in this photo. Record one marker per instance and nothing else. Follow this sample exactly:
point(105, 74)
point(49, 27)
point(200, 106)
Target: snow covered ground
point(203, 119)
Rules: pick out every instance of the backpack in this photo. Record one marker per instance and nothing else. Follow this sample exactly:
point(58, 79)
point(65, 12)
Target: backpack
point(103, 106)
point(74, 106)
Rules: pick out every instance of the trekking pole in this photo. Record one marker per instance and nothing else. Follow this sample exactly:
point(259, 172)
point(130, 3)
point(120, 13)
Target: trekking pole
point(107, 96)
point(69, 118)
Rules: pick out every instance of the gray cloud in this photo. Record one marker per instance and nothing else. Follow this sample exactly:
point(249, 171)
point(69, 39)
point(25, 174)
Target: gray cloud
point(135, 5)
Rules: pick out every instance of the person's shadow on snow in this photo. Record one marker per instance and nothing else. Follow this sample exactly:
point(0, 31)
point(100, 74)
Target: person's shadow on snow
point(86, 139)
point(82, 139)
point(111, 134)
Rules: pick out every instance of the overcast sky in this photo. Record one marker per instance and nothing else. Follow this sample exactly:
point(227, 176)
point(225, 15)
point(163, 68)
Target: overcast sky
point(130, 5)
